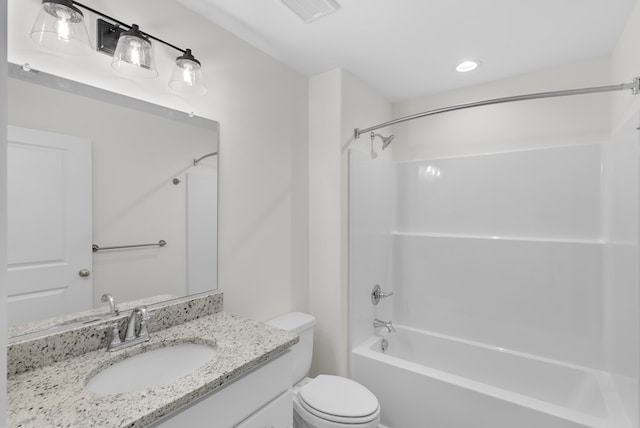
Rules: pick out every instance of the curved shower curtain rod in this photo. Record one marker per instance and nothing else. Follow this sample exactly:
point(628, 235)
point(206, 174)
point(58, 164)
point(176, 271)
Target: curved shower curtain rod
point(195, 161)
point(633, 86)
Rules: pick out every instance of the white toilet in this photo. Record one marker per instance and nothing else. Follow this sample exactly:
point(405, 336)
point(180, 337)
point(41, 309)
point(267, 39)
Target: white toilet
point(325, 401)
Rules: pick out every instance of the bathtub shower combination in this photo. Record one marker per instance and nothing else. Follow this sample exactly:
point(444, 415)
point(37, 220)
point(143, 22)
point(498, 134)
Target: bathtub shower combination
point(514, 279)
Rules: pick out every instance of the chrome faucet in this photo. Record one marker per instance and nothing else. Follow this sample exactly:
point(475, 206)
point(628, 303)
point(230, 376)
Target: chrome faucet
point(386, 324)
point(143, 334)
point(107, 297)
point(131, 338)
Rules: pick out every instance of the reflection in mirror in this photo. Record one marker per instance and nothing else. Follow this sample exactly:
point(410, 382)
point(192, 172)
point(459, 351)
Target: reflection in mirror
point(87, 166)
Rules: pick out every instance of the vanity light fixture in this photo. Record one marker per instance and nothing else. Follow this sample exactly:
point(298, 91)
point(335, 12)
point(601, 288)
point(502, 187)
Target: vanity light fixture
point(134, 54)
point(60, 26)
point(187, 75)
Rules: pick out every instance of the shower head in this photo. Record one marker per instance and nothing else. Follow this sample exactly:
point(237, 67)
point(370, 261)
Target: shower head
point(385, 140)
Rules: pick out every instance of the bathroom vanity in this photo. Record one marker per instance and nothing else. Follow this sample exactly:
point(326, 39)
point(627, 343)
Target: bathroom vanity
point(246, 383)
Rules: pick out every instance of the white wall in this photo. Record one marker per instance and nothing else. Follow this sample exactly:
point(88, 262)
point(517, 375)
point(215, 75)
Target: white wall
point(262, 108)
point(338, 103)
point(325, 258)
point(3, 216)
point(511, 126)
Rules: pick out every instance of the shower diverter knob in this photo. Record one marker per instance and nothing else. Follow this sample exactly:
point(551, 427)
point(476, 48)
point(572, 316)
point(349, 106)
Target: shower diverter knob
point(377, 294)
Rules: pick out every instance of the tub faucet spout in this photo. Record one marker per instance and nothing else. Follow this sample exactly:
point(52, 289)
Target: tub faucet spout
point(386, 324)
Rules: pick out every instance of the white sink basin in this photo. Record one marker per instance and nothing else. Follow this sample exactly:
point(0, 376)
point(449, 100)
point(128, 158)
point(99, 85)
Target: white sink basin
point(151, 368)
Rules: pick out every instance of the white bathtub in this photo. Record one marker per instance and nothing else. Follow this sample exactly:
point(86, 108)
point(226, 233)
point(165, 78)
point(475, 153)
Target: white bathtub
point(427, 380)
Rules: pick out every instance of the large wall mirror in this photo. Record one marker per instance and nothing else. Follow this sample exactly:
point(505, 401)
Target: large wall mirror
point(140, 186)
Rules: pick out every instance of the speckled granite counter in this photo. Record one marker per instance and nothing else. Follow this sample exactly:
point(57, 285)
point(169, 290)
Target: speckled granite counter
point(55, 396)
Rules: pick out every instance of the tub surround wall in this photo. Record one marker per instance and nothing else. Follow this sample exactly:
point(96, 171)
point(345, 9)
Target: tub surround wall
point(35, 352)
point(506, 251)
point(503, 249)
point(620, 231)
point(371, 188)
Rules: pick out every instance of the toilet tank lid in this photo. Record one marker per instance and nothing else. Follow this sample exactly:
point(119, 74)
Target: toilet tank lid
point(293, 321)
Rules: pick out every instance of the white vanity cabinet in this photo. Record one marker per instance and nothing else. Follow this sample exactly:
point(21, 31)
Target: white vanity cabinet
point(259, 399)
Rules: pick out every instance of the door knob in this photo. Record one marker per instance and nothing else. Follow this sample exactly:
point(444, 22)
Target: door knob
point(84, 273)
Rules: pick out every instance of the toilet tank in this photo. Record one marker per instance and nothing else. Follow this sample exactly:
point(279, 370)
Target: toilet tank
point(301, 324)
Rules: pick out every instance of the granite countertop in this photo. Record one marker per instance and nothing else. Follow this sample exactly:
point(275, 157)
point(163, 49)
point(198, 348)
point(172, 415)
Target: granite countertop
point(55, 396)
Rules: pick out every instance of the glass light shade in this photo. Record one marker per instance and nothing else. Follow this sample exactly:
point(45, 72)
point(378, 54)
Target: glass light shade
point(60, 26)
point(187, 75)
point(134, 54)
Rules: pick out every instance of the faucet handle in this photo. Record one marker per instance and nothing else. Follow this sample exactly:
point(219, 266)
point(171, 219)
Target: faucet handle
point(115, 335)
point(144, 317)
point(377, 294)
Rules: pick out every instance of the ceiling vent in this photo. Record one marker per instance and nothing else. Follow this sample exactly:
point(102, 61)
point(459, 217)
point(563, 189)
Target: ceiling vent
point(310, 10)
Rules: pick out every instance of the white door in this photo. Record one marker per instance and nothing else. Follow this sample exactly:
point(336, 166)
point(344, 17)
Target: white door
point(49, 224)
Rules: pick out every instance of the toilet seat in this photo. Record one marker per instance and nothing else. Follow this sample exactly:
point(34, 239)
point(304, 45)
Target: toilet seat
point(338, 399)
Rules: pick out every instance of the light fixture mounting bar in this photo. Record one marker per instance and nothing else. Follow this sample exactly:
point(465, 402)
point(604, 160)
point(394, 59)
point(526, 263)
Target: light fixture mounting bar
point(115, 31)
point(107, 35)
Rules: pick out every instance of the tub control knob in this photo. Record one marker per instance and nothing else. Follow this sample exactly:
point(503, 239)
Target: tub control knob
point(377, 294)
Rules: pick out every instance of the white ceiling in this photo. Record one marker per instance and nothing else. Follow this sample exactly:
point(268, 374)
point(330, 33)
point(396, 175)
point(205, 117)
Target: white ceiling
point(409, 48)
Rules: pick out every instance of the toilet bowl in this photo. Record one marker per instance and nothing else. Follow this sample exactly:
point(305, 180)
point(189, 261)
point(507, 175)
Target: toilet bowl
point(324, 401)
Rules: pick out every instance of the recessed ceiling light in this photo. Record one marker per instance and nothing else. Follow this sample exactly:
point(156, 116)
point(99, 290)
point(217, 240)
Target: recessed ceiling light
point(466, 66)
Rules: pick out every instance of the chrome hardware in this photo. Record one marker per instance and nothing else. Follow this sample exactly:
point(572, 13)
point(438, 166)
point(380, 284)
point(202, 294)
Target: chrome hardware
point(634, 86)
point(386, 324)
point(195, 161)
point(115, 343)
point(384, 345)
point(84, 273)
point(113, 309)
point(377, 294)
point(142, 335)
point(95, 248)
point(131, 338)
